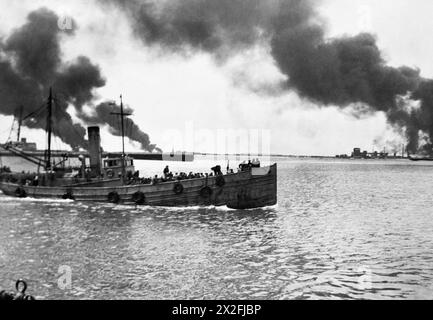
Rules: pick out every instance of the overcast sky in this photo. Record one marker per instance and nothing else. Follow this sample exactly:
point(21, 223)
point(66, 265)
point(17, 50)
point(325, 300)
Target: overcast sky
point(170, 92)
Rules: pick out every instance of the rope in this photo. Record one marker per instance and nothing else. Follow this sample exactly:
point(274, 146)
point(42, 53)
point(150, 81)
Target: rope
point(35, 112)
point(10, 132)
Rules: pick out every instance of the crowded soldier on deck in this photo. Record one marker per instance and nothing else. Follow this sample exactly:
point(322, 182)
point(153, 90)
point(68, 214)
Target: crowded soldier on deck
point(168, 176)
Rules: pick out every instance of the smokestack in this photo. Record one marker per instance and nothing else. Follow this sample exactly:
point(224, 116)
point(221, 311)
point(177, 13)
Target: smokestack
point(94, 151)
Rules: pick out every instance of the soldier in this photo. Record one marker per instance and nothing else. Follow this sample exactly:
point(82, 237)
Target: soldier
point(217, 170)
point(166, 171)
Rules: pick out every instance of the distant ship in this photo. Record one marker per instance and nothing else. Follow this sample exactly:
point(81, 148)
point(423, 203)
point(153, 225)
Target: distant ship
point(418, 157)
point(20, 144)
point(29, 150)
point(114, 180)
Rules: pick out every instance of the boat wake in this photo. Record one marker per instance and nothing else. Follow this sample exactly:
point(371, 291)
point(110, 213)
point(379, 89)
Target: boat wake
point(268, 208)
point(123, 208)
point(143, 208)
point(196, 208)
point(5, 198)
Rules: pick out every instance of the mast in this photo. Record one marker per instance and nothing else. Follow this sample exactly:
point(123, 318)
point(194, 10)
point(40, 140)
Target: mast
point(122, 115)
point(20, 122)
point(123, 139)
point(49, 129)
point(123, 128)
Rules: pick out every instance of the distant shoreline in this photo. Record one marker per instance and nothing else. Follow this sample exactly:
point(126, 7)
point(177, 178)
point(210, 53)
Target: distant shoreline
point(293, 156)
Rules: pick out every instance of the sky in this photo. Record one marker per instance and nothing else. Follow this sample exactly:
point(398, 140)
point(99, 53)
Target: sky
point(173, 95)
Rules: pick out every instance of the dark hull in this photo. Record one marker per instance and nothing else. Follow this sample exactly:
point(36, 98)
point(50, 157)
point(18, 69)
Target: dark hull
point(244, 190)
point(421, 158)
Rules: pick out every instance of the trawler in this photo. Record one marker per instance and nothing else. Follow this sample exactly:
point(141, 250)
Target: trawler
point(114, 180)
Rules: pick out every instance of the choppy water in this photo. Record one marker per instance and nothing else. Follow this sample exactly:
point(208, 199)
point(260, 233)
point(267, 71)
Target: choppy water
point(341, 230)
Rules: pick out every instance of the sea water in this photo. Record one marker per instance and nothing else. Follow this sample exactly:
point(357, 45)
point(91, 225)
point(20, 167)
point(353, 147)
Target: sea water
point(342, 229)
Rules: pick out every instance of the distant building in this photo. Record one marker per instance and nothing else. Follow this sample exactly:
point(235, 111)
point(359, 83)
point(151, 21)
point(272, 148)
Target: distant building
point(342, 156)
point(24, 145)
point(356, 153)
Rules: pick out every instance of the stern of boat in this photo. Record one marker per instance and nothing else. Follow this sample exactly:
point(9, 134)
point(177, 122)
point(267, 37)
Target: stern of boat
point(260, 191)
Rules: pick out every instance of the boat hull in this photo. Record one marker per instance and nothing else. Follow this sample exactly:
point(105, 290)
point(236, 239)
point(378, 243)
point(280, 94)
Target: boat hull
point(243, 190)
point(420, 158)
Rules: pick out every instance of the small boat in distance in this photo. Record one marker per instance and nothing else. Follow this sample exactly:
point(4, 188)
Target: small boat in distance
point(418, 157)
point(114, 180)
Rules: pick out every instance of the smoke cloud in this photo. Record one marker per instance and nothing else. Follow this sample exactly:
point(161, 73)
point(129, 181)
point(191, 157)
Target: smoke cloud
point(31, 63)
point(103, 114)
point(346, 72)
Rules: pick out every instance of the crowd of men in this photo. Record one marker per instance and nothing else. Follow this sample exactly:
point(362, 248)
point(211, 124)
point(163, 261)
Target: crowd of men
point(5, 169)
point(168, 176)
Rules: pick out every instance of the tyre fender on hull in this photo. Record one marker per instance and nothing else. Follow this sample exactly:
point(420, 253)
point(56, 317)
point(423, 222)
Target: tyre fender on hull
point(68, 195)
point(178, 188)
point(139, 198)
point(20, 192)
point(113, 197)
point(205, 192)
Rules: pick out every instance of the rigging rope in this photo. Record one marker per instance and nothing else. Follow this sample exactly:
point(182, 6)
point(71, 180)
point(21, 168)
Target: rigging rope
point(38, 111)
point(10, 132)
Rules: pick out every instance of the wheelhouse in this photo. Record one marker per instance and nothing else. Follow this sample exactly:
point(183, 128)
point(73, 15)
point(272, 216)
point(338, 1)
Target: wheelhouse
point(112, 167)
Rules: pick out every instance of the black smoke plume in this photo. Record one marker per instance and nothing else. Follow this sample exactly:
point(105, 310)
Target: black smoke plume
point(346, 72)
point(107, 113)
point(31, 63)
